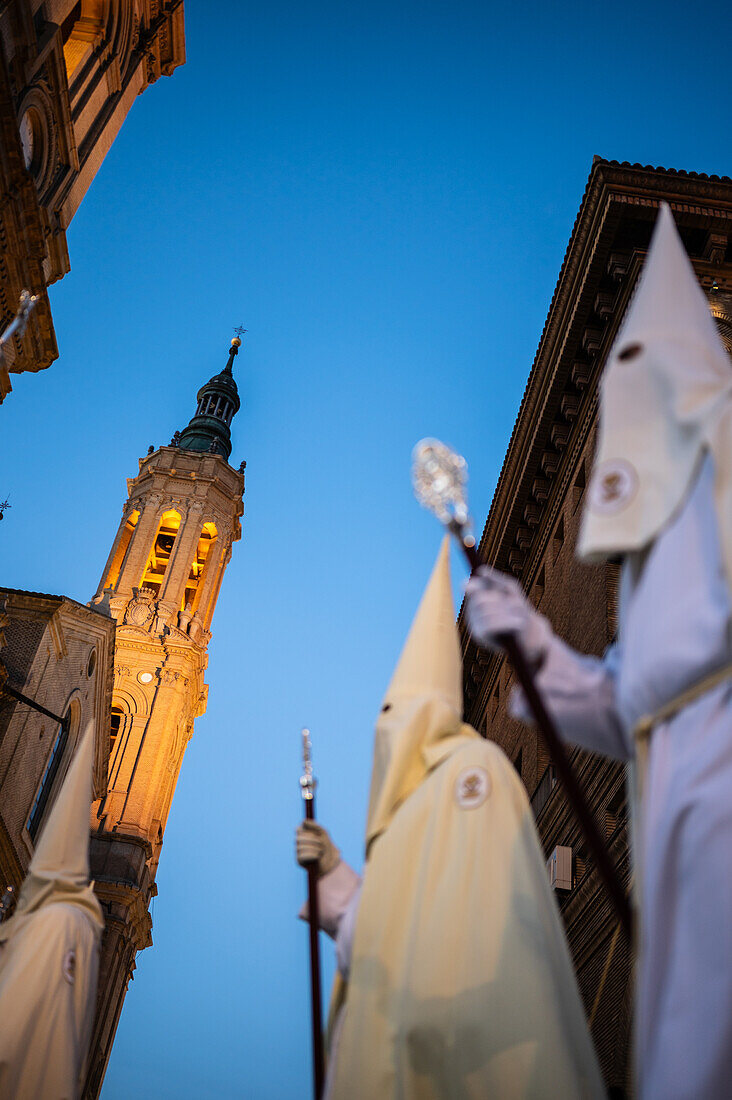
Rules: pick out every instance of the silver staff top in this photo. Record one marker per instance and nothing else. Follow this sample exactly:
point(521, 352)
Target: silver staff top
point(308, 781)
point(440, 478)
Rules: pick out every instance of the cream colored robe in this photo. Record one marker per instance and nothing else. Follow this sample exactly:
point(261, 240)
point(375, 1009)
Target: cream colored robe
point(46, 977)
point(49, 953)
point(461, 985)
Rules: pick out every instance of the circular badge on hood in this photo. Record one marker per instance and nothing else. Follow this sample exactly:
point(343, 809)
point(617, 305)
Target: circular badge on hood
point(614, 484)
point(472, 787)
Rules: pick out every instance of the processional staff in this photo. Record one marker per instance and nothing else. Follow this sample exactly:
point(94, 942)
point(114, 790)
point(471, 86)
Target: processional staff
point(439, 477)
point(308, 784)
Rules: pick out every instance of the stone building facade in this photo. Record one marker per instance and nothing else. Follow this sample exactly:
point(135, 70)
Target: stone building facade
point(532, 528)
point(59, 655)
point(69, 73)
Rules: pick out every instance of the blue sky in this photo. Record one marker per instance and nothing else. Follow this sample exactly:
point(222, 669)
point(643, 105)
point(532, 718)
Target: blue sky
point(382, 195)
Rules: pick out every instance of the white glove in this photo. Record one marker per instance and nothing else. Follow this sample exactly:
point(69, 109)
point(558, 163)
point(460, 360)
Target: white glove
point(313, 846)
point(495, 604)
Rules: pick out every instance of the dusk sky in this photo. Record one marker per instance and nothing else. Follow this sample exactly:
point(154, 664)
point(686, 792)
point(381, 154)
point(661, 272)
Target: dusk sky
point(382, 195)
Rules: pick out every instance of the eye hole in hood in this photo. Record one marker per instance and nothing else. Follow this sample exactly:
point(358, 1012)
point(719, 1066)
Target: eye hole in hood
point(630, 351)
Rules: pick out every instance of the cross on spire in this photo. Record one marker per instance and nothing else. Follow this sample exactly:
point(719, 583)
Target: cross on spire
point(239, 331)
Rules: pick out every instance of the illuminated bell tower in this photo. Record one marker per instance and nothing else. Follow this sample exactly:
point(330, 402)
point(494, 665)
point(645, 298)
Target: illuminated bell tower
point(161, 581)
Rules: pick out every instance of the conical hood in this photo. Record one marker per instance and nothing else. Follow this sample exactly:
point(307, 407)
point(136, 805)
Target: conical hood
point(422, 707)
point(430, 663)
point(62, 851)
point(669, 300)
point(59, 869)
point(665, 399)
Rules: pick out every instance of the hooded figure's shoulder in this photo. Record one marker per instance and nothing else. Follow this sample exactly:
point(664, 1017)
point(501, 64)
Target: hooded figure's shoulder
point(486, 754)
point(476, 773)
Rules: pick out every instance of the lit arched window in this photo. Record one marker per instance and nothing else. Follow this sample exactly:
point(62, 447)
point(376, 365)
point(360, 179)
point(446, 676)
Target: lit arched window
point(162, 549)
point(79, 31)
point(194, 584)
point(118, 560)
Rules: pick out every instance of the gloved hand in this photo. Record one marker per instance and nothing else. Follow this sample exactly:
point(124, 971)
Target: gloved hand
point(314, 846)
point(495, 604)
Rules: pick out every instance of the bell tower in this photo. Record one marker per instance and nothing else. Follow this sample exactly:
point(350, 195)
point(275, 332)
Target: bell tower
point(161, 583)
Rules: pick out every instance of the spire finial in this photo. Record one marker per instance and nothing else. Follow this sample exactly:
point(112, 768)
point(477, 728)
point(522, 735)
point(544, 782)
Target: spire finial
point(235, 345)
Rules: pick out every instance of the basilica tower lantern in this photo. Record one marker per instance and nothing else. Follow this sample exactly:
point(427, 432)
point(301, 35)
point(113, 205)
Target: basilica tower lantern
point(161, 583)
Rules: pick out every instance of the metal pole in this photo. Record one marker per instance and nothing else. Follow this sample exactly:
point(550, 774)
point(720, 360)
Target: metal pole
point(308, 784)
point(30, 702)
point(558, 753)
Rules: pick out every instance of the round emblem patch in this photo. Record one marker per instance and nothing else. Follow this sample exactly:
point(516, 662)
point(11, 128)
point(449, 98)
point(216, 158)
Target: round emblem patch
point(472, 787)
point(614, 485)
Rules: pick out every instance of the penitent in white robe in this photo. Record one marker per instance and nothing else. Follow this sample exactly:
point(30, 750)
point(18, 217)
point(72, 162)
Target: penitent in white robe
point(674, 630)
point(459, 979)
point(48, 978)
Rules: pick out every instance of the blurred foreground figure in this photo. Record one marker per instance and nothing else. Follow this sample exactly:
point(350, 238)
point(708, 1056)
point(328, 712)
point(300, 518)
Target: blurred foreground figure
point(49, 953)
point(661, 498)
point(454, 976)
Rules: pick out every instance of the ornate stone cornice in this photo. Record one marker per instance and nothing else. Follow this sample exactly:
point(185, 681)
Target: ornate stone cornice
point(558, 409)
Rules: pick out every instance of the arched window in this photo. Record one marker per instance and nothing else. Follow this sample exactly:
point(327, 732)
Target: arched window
point(79, 30)
point(118, 560)
point(66, 732)
point(115, 724)
point(194, 584)
point(162, 548)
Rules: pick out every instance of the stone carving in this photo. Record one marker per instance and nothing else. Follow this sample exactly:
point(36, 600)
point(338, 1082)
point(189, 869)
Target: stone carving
point(170, 676)
point(121, 670)
point(160, 626)
point(140, 608)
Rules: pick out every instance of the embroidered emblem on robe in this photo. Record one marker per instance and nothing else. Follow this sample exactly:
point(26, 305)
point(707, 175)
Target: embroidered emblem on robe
point(613, 486)
point(472, 787)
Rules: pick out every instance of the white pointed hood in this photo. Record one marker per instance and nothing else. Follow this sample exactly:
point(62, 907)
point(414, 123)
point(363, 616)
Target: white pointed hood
point(422, 709)
point(666, 397)
point(59, 869)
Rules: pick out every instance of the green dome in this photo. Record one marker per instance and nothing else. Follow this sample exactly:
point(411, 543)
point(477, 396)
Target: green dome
point(218, 402)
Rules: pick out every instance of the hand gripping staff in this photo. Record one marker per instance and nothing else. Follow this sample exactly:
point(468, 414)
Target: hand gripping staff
point(308, 784)
point(439, 476)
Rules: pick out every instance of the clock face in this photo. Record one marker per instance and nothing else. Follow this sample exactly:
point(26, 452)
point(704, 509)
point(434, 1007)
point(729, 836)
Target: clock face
point(27, 138)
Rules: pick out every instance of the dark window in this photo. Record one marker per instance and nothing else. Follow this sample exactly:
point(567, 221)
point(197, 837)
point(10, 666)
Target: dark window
point(40, 802)
point(114, 727)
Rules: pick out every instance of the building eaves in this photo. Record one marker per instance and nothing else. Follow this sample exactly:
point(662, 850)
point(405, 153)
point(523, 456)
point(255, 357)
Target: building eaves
point(53, 598)
point(604, 175)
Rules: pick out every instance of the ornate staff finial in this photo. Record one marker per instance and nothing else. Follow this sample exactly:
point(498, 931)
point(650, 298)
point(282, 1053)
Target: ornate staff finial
point(439, 479)
point(308, 782)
